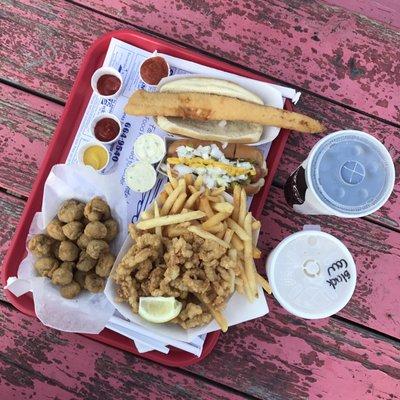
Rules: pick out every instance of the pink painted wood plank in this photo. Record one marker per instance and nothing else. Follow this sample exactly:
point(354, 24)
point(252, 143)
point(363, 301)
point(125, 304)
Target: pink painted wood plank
point(299, 359)
point(27, 125)
point(386, 11)
point(40, 363)
point(320, 48)
point(276, 357)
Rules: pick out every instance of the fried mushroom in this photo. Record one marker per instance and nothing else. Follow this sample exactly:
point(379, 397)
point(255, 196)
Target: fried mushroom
point(95, 230)
point(71, 290)
point(71, 210)
point(85, 263)
point(68, 251)
point(94, 283)
point(104, 265)
point(112, 229)
point(97, 209)
point(83, 241)
point(73, 230)
point(62, 276)
point(45, 266)
point(97, 247)
point(40, 245)
point(55, 231)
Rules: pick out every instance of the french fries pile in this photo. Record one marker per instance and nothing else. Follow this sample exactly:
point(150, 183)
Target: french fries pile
point(186, 206)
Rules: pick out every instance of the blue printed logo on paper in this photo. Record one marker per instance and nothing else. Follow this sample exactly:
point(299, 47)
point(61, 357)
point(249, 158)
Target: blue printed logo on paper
point(352, 172)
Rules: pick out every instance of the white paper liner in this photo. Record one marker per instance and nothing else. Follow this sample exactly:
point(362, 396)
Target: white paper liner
point(238, 309)
point(88, 312)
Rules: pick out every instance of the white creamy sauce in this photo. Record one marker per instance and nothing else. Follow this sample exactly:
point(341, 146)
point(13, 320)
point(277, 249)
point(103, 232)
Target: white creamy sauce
point(140, 177)
point(150, 148)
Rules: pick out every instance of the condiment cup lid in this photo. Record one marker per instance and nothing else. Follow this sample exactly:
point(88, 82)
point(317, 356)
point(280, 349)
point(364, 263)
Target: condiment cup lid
point(106, 71)
point(95, 120)
point(155, 54)
point(84, 147)
point(312, 274)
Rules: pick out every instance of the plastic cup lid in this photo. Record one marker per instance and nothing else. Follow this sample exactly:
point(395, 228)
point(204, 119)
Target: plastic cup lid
point(312, 274)
point(351, 172)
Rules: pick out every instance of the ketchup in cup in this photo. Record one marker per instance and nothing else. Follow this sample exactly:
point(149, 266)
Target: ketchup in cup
point(107, 85)
point(107, 82)
point(153, 70)
point(105, 128)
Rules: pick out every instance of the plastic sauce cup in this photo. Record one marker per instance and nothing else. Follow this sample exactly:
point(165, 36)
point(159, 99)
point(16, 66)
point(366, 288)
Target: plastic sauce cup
point(106, 77)
point(149, 147)
point(107, 126)
point(140, 177)
point(82, 152)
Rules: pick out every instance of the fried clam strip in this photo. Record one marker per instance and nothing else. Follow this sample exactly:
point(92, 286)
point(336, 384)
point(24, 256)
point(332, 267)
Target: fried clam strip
point(202, 106)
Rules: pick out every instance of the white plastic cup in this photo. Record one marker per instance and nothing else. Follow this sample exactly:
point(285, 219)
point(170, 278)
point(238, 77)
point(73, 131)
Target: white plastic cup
point(106, 71)
point(312, 274)
point(144, 147)
point(83, 148)
point(155, 54)
point(140, 177)
point(349, 174)
point(99, 118)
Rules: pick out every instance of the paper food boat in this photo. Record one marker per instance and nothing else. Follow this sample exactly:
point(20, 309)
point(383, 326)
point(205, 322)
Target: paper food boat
point(238, 308)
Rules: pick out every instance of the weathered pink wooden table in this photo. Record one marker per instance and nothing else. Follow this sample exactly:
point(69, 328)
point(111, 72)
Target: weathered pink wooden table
point(344, 57)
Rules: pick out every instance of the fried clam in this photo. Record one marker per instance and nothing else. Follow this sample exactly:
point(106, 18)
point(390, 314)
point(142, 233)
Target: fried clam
point(68, 251)
point(45, 266)
point(72, 230)
point(71, 210)
point(70, 290)
point(40, 245)
point(95, 230)
point(97, 210)
point(55, 231)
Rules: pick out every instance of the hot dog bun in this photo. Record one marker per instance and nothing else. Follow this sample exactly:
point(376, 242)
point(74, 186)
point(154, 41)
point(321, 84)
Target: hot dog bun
point(231, 151)
point(225, 131)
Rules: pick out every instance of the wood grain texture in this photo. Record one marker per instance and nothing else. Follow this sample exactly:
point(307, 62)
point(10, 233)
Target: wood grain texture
point(323, 49)
point(27, 124)
point(277, 357)
point(326, 50)
point(43, 363)
point(386, 11)
point(282, 357)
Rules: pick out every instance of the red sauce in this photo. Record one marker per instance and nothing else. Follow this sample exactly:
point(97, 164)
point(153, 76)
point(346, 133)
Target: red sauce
point(108, 84)
point(153, 70)
point(106, 129)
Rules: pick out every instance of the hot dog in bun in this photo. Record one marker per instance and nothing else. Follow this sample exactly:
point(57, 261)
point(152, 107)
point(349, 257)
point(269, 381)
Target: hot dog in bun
point(220, 166)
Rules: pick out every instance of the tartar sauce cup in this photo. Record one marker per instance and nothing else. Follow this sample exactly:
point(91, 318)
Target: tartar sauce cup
point(149, 147)
point(140, 177)
point(96, 147)
point(105, 125)
point(104, 81)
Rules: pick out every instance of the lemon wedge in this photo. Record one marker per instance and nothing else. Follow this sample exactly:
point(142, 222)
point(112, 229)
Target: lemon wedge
point(159, 309)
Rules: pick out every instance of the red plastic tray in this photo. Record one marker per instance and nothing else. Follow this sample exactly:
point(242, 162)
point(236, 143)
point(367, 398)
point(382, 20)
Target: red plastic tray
point(58, 151)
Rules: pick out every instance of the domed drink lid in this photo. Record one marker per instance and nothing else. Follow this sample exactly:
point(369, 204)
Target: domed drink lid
point(312, 274)
point(351, 172)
